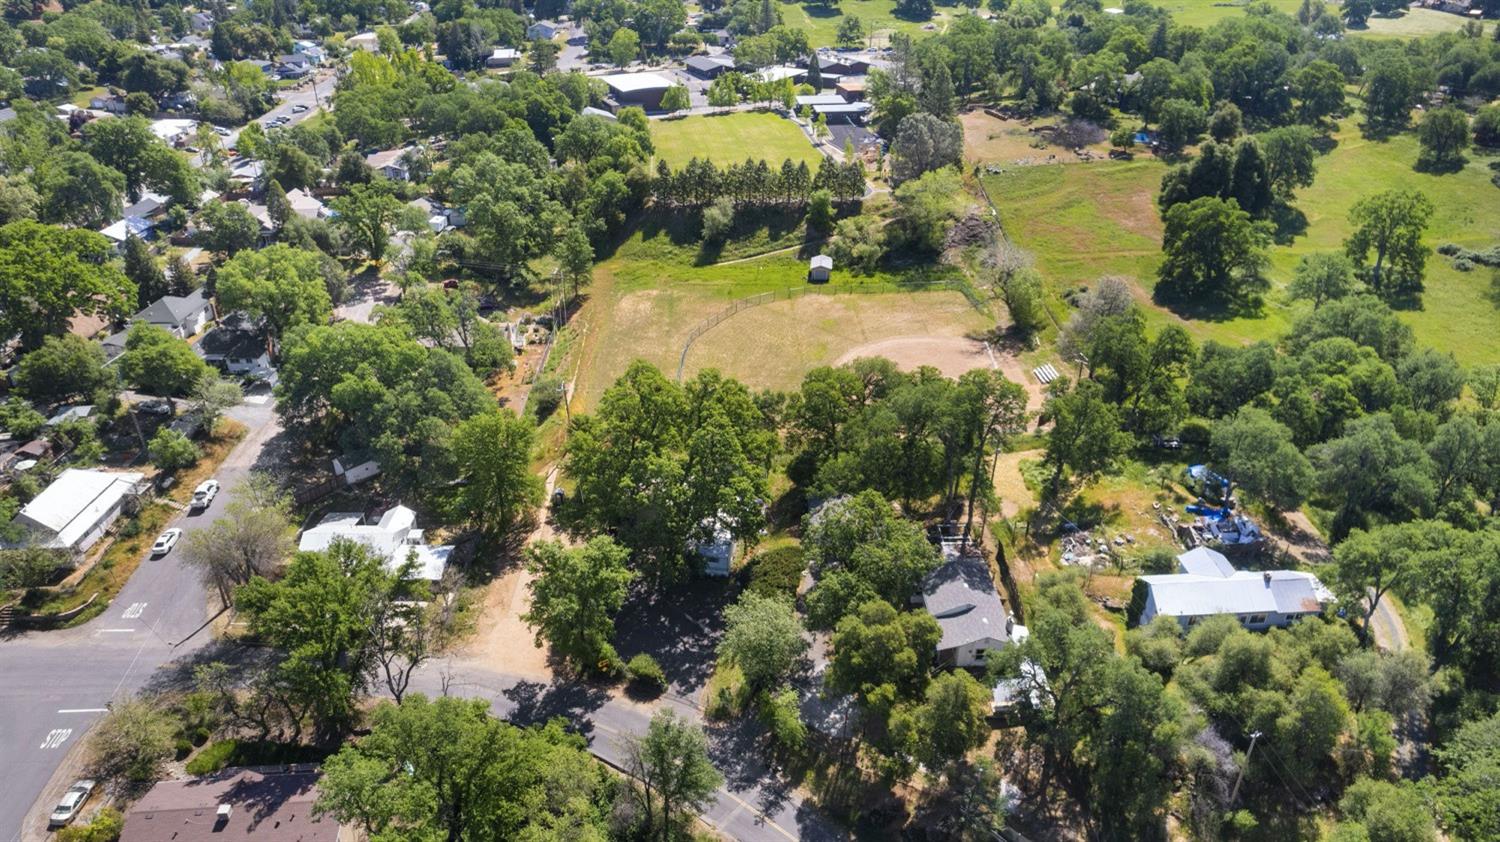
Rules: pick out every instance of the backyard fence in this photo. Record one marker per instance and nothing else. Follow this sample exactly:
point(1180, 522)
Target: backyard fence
point(789, 293)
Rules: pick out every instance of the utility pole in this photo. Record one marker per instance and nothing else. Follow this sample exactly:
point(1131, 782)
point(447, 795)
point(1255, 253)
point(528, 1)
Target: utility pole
point(1238, 779)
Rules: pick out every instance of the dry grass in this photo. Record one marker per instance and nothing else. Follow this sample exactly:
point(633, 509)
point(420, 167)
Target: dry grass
point(110, 573)
point(227, 433)
point(991, 140)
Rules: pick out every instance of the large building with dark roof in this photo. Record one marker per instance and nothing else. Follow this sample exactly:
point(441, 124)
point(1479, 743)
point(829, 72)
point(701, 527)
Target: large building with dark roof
point(233, 804)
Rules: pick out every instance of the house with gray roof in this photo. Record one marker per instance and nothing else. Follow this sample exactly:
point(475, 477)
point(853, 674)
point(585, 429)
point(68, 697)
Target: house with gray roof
point(181, 315)
point(961, 596)
point(1208, 585)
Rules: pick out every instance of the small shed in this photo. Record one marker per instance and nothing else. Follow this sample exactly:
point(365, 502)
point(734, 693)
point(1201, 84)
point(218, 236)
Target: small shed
point(819, 268)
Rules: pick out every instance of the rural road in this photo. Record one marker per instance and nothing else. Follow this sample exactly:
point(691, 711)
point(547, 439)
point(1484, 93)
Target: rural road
point(1386, 627)
point(58, 683)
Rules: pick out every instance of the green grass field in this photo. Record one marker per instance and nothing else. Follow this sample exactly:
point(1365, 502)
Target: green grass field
point(821, 22)
point(1205, 13)
point(731, 138)
point(1083, 221)
point(1415, 23)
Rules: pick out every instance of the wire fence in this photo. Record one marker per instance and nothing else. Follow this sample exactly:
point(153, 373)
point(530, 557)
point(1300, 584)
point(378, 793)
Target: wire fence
point(789, 293)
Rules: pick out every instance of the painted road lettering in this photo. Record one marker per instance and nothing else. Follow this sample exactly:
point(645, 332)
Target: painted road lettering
point(56, 737)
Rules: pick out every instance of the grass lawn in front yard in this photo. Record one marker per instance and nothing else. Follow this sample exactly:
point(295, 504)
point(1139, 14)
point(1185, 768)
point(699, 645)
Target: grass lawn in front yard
point(732, 138)
point(1413, 23)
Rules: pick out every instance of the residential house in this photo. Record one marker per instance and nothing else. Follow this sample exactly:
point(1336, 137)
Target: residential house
point(544, 30)
point(180, 315)
point(591, 111)
point(149, 205)
point(121, 230)
point(394, 537)
point(293, 66)
point(77, 508)
point(390, 163)
point(310, 50)
point(367, 41)
point(1208, 585)
point(642, 89)
point(173, 131)
point(306, 205)
point(247, 176)
point(355, 468)
point(819, 268)
point(266, 804)
point(961, 596)
point(71, 413)
point(502, 57)
point(108, 103)
point(709, 67)
point(201, 22)
point(436, 216)
point(236, 346)
point(26, 456)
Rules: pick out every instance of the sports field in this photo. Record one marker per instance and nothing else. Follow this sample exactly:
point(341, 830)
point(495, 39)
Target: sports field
point(1082, 221)
point(731, 138)
point(821, 20)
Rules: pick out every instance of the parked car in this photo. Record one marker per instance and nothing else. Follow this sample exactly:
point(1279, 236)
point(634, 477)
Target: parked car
point(205, 493)
point(155, 407)
point(165, 542)
point(298, 108)
point(72, 801)
point(221, 131)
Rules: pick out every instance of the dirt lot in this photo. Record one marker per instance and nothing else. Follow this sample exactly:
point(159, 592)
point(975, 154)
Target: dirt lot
point(952, 355)
point(990, 140)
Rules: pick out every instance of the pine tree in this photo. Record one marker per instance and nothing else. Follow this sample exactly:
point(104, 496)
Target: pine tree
point(767, 16)
point(278, 207)
point(937, 91)
point(182, 279)
point(814, 73)
point(140, 267)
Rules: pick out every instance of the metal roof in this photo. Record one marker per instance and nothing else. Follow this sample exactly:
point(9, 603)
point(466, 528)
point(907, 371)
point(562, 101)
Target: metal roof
point(1244, 592)
point(630, 82)
point(75, 502)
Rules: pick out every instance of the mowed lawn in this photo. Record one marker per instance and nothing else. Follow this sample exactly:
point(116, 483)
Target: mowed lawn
point(731, 138)
point(821, 20)
point(1084, 221)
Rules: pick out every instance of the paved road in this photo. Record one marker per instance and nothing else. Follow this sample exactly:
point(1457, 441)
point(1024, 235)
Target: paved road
point(58, 683)
point(749, 807)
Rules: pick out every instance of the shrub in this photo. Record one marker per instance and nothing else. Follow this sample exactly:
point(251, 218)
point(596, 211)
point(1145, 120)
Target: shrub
point(214, 757)
point(609, 664)
point(171, 450)
point(546, 396)
point(777, 572)
point(718, 218)
point(106, 826)
point(1195, 432)
point(645, 673)
point(780, 713)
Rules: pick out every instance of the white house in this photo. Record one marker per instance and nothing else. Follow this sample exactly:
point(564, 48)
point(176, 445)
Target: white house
point(367, 41)
point(180, 315)
point(121, 230)
point(77, 508)
point(390, 163)
point(305, 204)
point(173, 130)
point(961, 596)
point(394, 537)
point(544, 30)
point(502, 57)
point(1208, 585)
point(782, 71)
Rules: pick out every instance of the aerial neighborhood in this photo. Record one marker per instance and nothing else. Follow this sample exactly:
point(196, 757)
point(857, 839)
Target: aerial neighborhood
point(750, 420)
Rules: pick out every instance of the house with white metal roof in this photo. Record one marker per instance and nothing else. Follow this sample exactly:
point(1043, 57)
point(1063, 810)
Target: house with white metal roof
point(1208, 585)
point(394, 537)
point(74, 512)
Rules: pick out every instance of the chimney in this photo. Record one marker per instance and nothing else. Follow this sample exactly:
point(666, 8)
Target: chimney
point(223, 812)
point(1267, 576)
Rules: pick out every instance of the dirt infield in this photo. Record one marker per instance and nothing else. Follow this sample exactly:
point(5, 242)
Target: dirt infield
point(952, 355)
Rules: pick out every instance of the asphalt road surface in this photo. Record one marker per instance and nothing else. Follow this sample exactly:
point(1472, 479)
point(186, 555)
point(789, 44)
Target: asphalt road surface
point(750, 807)
point(57, 684)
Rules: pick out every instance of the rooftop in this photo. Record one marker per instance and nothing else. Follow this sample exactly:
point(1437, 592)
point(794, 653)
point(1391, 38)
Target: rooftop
point(266, 807)
point(961, 596)
point(1209, 585)
point(75, 501)
point(173, 309)
point(629, 82)
point(394, 536)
